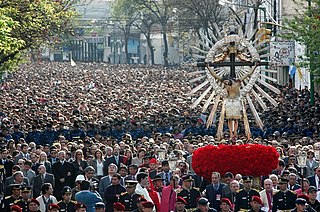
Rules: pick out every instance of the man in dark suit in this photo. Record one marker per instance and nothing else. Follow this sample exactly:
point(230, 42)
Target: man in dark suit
point(53, 156)
point(214, 191)
point(40, 179)
point(166, 173)
point(315, 179)
point(63, 173)
point(16, 178)
point(7, 164)
point(23, 154)
point(116, 158)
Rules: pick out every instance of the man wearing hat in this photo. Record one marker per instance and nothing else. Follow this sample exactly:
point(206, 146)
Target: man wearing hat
point(203, 206)
point(283, 199)
point(158, 185)
point(153, 168)
point(100, 207)
point(9, 200)
point(225, 205)
point(256, 203)
point(118, 207)
point(147, 206)
point(313, 202)
point(80, 207)
point(53, 208)
point(33, 205)
point(301, 205)
point(188, 193)
point(244, 196)
point(23, 202)
point(180, 205)
point(66, 204)
point(129, 198)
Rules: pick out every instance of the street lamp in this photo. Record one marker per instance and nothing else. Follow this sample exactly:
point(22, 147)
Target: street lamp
point(302, 162)
point(316, 149)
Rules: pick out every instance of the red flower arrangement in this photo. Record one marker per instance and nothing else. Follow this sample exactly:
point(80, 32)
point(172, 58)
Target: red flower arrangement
point(255, 160)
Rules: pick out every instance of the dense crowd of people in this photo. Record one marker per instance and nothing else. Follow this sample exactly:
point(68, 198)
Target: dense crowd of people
point(96, 137)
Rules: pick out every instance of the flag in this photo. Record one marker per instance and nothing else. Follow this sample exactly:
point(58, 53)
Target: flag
point(292, 70)
point(72, 63)
point(300, 73)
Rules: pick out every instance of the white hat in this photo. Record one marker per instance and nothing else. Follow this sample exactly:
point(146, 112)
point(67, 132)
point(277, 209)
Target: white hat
point(80, 178)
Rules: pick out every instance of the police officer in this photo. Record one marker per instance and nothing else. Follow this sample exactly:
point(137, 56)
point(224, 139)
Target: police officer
point(284, 199)
point(9, 200)
point(244, 196)
point(66, 204)
point(129, 198)
point(23, 202)
point(188, 193)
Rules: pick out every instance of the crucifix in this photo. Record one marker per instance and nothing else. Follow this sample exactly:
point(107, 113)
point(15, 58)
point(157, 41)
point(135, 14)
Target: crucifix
point(235, 50)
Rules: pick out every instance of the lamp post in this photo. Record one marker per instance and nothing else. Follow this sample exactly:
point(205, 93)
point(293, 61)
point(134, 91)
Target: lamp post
point(311, 65)
point(161, 154)
point(172, 163)
point(302, 162)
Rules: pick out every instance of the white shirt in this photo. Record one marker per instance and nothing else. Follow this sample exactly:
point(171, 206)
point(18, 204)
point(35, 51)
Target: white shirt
point(99, 169)
point(143, 191)
point(42, 207)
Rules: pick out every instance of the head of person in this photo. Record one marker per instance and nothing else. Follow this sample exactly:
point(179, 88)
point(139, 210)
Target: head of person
point(283, 184)
point(187, 181)
point(89, 172)
point(141, 200)
point(147, 206)
point(247, 182)
point(100, 207)
point(33, 205)
point(228, 178)
point(225, 205)
point(80, 207)
point(203, 204)
point(112, 169)
point(301, 204)
point(142, 178)
point(292, 178)
point(25, 192)
point(153, 163)
point(234, 186)
point(84, 185)
point(115, 180)
point(47, 189)
point(274, 179)
point(62, 155)
point(174, 181)
point(16, 189)
point(24, 148)
point(157, 181)
point(165, 166)
point(18, 177)
point(123, 171)
point(131, 186)
point(215, 177)
point(66, 194)
point(268, 185)
point(180, 204)
point(312, 193)
point(317, 171)
point(133, 169)
point(256, 203)
point(53, 208)
point(118, 207)
point(15, 208)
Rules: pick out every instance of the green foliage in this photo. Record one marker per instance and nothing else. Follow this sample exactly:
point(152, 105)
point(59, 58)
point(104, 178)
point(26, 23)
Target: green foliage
point(305, 29)
point(29, 24)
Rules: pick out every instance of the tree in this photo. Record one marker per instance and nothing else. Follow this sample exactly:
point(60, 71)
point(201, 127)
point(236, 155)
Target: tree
point(206, 15)
point(124, 14)
point(28, 24)
point(163, 11)
point(144, 24)
point(305, 29)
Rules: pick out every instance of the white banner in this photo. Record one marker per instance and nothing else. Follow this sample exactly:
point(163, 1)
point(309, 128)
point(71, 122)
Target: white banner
point(282, 53)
